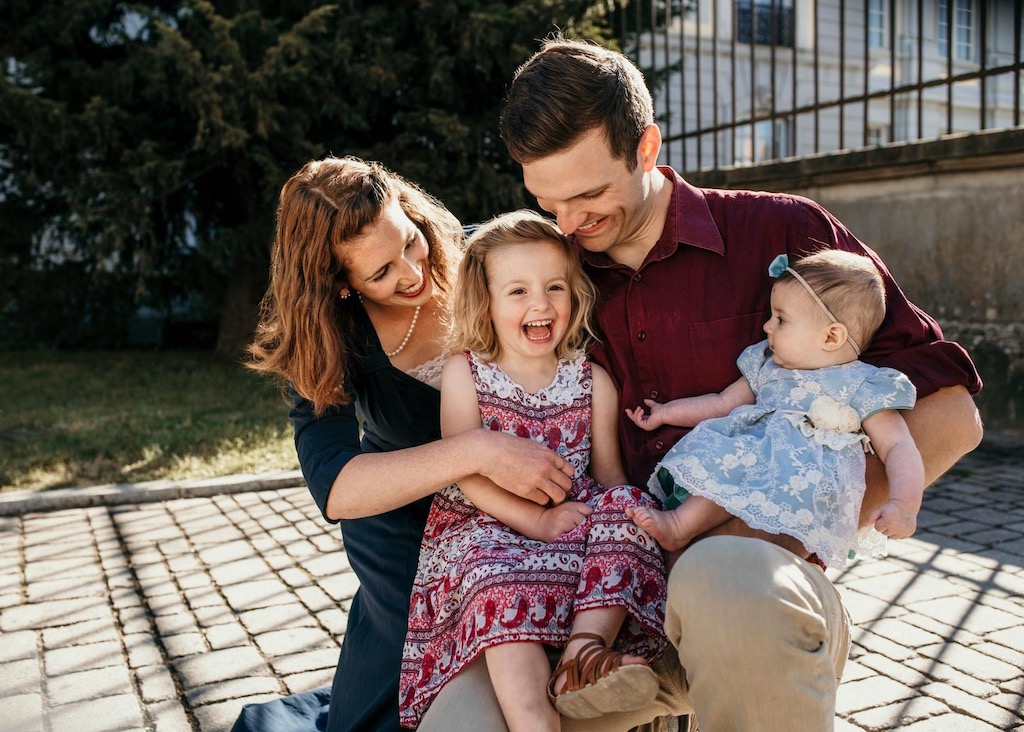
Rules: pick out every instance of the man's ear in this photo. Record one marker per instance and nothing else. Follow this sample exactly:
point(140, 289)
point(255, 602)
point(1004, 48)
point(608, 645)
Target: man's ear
point(836, 336)
point(649, 148)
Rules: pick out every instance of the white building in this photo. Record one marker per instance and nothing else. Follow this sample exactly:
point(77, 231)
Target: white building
point(834, 74)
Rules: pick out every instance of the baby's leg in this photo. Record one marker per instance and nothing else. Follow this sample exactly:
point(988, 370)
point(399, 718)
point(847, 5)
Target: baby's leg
point(676, 528)
point(520, 673)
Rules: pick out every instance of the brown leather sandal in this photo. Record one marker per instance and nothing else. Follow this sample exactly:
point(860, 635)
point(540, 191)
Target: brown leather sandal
point(597, 683)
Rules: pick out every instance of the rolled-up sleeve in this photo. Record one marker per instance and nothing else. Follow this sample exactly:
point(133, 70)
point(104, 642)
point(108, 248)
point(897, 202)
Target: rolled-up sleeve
point(324, 444)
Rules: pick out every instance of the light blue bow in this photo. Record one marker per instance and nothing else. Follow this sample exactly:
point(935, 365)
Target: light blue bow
point(779, 265)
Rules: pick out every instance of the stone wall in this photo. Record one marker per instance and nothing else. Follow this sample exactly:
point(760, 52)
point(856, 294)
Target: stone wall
point(947, 217)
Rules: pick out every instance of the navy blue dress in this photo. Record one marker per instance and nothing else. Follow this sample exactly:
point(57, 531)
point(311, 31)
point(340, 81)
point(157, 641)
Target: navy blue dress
point(397, 411)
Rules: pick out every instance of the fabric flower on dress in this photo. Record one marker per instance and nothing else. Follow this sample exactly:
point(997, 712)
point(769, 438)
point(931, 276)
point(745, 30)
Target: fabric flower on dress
point(827, 413)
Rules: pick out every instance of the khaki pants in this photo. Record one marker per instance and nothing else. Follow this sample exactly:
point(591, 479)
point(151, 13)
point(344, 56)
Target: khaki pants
point(759, 638)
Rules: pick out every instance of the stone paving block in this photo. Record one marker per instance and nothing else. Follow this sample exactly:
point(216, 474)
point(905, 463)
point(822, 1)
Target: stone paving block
point(315, 598)
point(22, 713)
point(173, 604)
point(216, 666)
point(261, 593)
point(10, 600)
point(170, 625)
point(854, 671)
point(971, 662)
point(99, 715)
point(966, 612)
point(135, 620)
point(949, 543)
point(168, 716)
point(946, 631)
point(18, 646)
point(1007, 585)
point(221, 716)
point(243, 570)
point(293, 576)
point(72, 568)
point(302, 549)
point(870, 693)
point(153, 587)
point(265, 620)
point(216, 535)
point(232, 689)
point(297, 663)
point(125, 597)
point(20, 677)
point(1013, 656)
point(905, 587)
point(120, 578)
point(82, 658)
point(184, 644)
point(902, 633)
point(942, 672)
point(207, 596)
point(214, 556)
point(877, 644)
point(90, 631)
point(227, 635)
point(212, 615)
point(65, 588)
point(293, 640)
point(156, 684)
point(11, 580)
point(960, 701)
point(143, 650)
point(38, 615)
point(309, 680)
point(334, 620)
point(93, 684)
point(340, 586)
point(906, 675)
point(899, 715)
point(193, 580)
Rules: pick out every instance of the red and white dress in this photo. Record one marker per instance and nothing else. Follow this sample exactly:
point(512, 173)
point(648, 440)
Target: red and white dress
point(480, 583)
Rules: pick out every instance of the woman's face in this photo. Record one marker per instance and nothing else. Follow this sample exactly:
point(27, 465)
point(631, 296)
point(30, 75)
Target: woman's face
point(387, 263)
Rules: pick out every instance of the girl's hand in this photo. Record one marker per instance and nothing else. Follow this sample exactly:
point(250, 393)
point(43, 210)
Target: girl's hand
point(651, 421)
point(525, 468)
point(895, 520)
point(557, 520)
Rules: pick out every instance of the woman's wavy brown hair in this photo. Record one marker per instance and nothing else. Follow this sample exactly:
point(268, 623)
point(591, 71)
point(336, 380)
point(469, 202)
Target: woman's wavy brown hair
point(304, 324)
point(472, 328)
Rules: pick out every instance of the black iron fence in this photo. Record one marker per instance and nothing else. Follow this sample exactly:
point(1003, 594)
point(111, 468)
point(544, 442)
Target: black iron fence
point(744, 82)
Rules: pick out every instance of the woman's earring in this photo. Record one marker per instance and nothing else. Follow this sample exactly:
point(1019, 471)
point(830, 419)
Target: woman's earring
point(345, 292)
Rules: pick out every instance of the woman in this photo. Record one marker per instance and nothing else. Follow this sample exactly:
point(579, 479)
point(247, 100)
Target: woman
point(360, 275)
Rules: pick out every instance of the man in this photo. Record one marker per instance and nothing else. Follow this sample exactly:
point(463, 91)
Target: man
point(759, 635)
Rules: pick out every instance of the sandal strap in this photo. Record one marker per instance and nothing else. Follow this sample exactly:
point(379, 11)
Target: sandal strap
point(593, 661)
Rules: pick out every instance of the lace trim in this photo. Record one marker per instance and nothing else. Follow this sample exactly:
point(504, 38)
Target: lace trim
point(563, 390)
point(429, 372)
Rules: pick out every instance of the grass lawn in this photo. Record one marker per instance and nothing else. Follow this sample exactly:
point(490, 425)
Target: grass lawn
point(80, 419)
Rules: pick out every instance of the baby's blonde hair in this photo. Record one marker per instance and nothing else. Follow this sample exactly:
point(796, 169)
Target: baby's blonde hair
point(850, 286)
point(471, 327)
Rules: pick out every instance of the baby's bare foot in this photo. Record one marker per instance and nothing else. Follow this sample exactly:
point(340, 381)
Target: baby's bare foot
point(665, 526)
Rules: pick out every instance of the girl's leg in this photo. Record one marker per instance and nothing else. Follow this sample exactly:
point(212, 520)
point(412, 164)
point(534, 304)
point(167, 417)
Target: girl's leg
point(519, 673)
point(605, 622)
point(676, 528)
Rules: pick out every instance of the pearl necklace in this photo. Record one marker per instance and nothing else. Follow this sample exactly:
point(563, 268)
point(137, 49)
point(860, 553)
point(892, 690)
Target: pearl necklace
point(408, 333)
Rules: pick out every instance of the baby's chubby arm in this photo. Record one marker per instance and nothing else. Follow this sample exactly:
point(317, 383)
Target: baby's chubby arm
point(460, 412)
point(688, 411)
point(904, 469)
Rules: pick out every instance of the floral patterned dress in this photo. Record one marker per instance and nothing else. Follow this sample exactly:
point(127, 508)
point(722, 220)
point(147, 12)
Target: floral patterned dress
point(480, 583)
point(793, 462)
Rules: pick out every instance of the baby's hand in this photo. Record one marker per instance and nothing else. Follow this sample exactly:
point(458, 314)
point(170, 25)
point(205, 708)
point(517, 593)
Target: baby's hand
point(648, 422)
point(895, 520)
point(559, 519)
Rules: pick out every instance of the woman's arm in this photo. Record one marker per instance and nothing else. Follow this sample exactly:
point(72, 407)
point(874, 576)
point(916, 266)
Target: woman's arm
point(522, 467)
point(688, 411)
point(460, 413)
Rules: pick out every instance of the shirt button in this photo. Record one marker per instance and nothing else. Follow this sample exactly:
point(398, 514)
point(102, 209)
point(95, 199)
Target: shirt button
point(654, 393)
point(637, 277)
point(659, 445)
point(641, 335)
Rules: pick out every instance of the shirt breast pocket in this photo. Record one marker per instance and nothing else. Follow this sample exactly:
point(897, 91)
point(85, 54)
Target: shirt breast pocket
point(716, 344)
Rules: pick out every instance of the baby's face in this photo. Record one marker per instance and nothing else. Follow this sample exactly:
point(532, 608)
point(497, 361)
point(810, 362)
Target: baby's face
point(797, 329)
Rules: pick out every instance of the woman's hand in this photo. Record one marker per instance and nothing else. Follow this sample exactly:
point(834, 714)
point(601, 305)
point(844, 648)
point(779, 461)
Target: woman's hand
point(523, 467)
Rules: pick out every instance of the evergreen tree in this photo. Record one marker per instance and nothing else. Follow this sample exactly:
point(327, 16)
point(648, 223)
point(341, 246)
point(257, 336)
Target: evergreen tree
point(143, 144)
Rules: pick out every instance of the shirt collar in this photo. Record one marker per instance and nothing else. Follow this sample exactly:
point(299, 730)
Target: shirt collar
point(688, 222)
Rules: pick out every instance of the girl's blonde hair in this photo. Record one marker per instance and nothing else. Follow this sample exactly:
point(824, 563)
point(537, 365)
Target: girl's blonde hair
point(850, 286)
point(472, 328)
point(305, 326)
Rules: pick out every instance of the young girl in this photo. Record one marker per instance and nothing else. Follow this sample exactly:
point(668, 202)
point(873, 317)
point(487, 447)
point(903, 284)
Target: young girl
point(792, 462)
point(500, 575)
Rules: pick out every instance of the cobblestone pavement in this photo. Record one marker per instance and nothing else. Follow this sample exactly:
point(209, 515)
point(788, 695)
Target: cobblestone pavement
point(171, 615)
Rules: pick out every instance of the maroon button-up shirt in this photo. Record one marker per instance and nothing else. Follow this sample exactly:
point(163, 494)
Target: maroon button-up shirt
point(674, 327)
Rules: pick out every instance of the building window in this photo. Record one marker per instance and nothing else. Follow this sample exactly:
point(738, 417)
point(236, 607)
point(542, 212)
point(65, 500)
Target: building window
point(876, 24)
point(878, 135)
point(768, 22)
point(766, 141)
point(963, 29)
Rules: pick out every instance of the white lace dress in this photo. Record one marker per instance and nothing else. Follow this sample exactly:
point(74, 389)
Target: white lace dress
point(793, 462)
